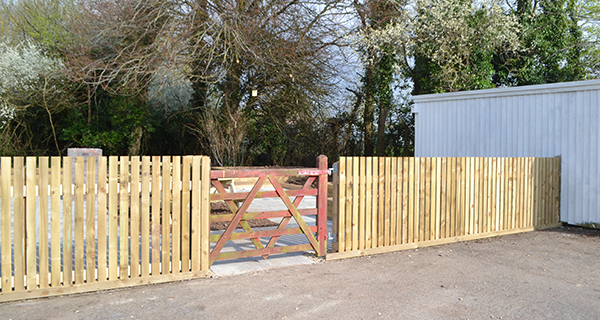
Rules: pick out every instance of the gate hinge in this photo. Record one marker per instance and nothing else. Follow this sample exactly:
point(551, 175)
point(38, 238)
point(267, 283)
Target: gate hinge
point(333, 169)
point(332, 237)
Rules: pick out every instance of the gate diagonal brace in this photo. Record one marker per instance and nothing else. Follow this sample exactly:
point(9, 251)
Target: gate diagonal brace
point(234, 208)
point(294, 212)
point(286, 220)
point(237, 217)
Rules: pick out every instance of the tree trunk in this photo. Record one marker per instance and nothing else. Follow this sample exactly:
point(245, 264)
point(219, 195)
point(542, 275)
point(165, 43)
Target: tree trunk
point(369, 110)
point(381, 130)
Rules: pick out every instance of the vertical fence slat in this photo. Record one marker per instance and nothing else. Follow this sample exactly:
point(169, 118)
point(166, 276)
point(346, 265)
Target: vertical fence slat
point(102, 231)
point(134, 208)
point(90, 216)
point(442, 209)
point(477, 224)
point(548, 191)
point(54, 221)
point(381, 202)
point(453, 194)
point(205, 214)
point(176, 259)
point(19, 224)
point(398, 202)
point(436, 191)
point(557, 163)
point(513, 190)
point(362, 237)
point(405, 195)
point(527, 194)
point(470, 183)
point(335, 210)
point(155, 192)
point(411, 200)
point(348, 204)
point(387, 199)
point(355, 208)
point(493, 190)
point(166, 214)
point(43, 221)
point(374, 200)
point(488, 194)
point(185, 214)
point(113, 216)
point(368, 171)
point(67, 190)
point(195, 197)
point(79, 222)
point(145, 234)
point(5, 222)
point(428, 198)
point(341, 235)
point(124, 218)
point(522, 192)
point(422, 198)
point(30, 224)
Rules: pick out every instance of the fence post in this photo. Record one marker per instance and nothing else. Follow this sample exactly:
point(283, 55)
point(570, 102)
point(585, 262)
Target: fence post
point(205, 214)
point(322, 206)
point(335, 207)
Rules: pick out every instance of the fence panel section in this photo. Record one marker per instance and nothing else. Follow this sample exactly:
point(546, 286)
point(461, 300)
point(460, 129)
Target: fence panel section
point(73, 225)
point(390, 204)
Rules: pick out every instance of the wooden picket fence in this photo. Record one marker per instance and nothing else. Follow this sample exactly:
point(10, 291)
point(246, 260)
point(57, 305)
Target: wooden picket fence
point(389, 204)
point(74, 225)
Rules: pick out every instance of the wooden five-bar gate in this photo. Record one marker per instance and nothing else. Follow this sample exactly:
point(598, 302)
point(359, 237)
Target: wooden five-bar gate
point(72, 225)
point(240, 215)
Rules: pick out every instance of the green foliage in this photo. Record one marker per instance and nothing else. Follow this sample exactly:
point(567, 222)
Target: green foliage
point(552, 46)
point(112, 126)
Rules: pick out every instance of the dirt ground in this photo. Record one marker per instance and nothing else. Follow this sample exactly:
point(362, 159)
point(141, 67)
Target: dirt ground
point(553, 274)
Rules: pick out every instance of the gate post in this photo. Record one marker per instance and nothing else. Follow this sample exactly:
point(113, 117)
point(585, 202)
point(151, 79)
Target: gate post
point(322, 206)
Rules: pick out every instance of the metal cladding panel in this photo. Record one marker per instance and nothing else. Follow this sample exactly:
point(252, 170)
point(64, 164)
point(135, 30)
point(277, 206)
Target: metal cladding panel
point(548, 120)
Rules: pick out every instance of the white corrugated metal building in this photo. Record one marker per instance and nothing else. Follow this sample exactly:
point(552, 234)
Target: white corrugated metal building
point(547, 120)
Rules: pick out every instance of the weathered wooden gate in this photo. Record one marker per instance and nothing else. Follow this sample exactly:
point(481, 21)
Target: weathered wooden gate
point(239, 202)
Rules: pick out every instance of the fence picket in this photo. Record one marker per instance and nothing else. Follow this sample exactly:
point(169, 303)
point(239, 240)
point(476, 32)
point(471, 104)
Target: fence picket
point(405, 195)
point(54, 220)
point(362, 205)
point(185, 214)
point(102, 226)
point(368, 170)
point(19, 224)
point(155, 219)
point(67, 190)
point(195, 196)
point(348, 205)
point(5, 168)
point(374, 192)
point(113, 216)
point(90, 220)
point(386, 199)
point(79, 220)
point(355, 208)
point(43, 222)
point(166, 214)
point(134, 209)
point(145, 217)
point(176, 239)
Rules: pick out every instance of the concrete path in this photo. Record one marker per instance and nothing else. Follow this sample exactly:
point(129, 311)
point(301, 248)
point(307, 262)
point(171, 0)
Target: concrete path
point(238, 266)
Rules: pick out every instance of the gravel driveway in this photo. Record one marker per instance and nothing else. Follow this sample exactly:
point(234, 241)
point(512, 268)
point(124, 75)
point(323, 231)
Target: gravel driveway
point(552, 274)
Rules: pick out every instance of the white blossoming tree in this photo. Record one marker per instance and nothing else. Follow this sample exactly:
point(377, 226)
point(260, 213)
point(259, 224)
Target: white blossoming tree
point(451, 42)
point(26, 75)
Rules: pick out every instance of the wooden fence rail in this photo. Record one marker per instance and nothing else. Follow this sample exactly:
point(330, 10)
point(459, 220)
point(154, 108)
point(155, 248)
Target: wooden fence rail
point(73, 225)
point(389, 204)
